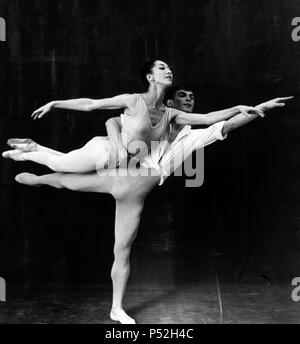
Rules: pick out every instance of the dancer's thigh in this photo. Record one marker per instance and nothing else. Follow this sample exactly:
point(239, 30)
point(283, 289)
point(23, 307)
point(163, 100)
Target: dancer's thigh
point(96, 154)
point(96, 141)
point(133, 183)
point(99, 145)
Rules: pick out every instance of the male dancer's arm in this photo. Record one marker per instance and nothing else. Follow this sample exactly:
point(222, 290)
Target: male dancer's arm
point(240, 120)
point(114, 129)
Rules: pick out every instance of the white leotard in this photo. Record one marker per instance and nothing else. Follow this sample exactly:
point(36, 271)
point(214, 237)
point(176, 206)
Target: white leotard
point(137, 127)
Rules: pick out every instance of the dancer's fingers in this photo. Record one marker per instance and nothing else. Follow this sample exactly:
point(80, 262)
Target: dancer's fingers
point(39, 113)
point(42, 114)
point(34, 115)
point(37, 116)
point(259, 113)
point(253, 111)
point(256, 112)
point(285, 98)
point(36, 112)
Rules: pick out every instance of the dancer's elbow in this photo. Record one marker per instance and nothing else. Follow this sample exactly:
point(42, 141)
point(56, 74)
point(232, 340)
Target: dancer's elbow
point(89, 107)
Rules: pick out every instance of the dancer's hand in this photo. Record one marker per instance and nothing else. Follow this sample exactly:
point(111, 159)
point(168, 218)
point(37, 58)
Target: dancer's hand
point(39, 113)
point(273, 104)
point(249, 111)
point(122, 153)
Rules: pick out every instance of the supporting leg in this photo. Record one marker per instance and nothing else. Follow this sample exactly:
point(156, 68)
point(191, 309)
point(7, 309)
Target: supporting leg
point(128, 214)
point(130, 193)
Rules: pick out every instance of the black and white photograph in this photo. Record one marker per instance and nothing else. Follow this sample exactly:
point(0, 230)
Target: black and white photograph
point(150, 164)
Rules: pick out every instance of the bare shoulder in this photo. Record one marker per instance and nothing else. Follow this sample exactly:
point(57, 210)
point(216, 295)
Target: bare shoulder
point(131, 99)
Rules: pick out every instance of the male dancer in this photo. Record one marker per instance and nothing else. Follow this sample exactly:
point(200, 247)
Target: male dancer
point(130, 186)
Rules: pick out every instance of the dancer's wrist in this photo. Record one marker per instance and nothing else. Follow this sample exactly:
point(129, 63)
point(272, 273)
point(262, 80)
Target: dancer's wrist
point(261, 107)
point(53, 104)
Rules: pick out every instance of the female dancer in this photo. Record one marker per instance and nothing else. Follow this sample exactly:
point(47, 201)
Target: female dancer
point(146, 119)
point(131, 189)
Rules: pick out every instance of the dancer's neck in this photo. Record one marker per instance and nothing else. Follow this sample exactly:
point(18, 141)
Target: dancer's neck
point(155, 95)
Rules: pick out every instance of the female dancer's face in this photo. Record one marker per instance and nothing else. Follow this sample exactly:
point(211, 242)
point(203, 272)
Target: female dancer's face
point(161, 73)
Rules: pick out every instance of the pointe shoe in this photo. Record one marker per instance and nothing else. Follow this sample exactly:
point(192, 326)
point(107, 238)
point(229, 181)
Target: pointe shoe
point(26, 145)
point(27, 179)
point(122, 317)
point(15, 154)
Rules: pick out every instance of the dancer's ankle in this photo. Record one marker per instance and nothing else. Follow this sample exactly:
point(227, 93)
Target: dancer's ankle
point(117, 309)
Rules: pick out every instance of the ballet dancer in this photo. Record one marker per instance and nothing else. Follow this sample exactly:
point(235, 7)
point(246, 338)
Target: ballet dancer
point(131, 189)
point(146, 119)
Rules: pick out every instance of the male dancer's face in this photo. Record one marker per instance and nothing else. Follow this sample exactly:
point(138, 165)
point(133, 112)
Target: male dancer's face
point(183, 101)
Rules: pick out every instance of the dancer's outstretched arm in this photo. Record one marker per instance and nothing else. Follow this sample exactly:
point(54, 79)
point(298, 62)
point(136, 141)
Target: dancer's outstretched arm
point(184, 118)
point(86, 104)
point(241, 120)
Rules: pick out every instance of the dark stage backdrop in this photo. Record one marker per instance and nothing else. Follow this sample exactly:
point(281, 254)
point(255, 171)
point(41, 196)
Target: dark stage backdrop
point(233, 51)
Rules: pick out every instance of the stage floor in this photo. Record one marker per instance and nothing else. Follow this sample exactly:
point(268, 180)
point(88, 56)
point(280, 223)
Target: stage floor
point(163, 289)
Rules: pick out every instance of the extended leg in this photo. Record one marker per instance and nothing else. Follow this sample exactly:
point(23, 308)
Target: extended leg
point(88, 182)
point(95, 154)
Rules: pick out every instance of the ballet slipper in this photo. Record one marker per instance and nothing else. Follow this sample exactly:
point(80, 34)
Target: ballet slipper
point(15, 154)
point(26, 145)
point(121, 317)
point(27, 179)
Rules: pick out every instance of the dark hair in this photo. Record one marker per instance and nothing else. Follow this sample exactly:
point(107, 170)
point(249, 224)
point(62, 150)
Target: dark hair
point(147, 69)
point(171, 91)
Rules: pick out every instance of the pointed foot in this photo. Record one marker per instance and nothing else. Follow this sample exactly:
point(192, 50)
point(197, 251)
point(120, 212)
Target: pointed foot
point(27, 179)
point(25, 145)
point(15, 154)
